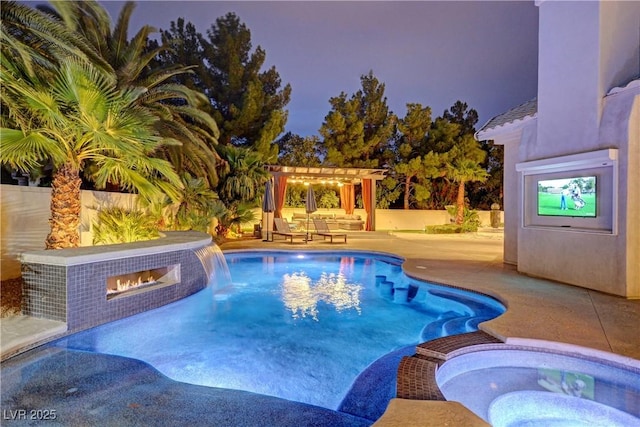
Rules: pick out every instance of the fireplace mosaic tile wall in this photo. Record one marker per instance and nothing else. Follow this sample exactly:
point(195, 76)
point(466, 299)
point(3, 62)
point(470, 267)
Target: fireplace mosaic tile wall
point(76, 294)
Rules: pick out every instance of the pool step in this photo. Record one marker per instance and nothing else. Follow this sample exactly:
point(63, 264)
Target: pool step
point(456, 326)
point(435, 329)
point(472, 323)
point(477, 308)
point(446, 347)
point(417, 373)
point(399, 293)
point(416, 379)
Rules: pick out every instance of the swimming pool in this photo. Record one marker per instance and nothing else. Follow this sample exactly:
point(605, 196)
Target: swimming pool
point(303, 326)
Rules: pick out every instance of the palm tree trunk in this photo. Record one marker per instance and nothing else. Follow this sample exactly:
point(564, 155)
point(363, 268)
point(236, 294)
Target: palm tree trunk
point(65, 208)
point(460, 203)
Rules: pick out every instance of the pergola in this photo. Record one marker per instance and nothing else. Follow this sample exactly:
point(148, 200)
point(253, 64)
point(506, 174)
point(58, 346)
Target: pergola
point(344, 178)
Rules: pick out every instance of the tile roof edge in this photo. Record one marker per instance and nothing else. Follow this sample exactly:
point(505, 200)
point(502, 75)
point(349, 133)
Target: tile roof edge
point(529, 112)
point(488, 131)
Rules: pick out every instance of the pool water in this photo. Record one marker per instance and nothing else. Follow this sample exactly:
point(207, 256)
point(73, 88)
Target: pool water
point(300, 326)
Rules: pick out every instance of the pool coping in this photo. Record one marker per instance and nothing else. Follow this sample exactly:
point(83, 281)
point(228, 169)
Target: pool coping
point(32, 332)
point(170, 241)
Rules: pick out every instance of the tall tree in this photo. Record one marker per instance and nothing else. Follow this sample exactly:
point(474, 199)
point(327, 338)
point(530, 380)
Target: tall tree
point(460, 114)
point(247, 103)
point(464, 164)
point(482, 193)
point(295, 150)
point(186, 46)
point(343, 133)
point(435, 191)
point(379, 122)
point(358, 130)
point(451, 137)
point(410, 149)
point(466, 161)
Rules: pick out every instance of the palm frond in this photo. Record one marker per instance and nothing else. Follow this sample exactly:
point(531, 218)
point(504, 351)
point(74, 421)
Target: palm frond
point(27, 151)
point(119, 39)
point(40, 36)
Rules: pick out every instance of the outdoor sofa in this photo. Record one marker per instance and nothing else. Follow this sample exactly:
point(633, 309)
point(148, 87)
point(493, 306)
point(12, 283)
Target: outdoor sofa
point(334, 221)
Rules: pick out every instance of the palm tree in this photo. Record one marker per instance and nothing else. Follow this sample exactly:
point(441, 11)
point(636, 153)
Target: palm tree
point(240, 186)
point(33, 45)
point(79, 118)
point(461, 171)
point(197, 206)
point(181, 111)
point(244, 177)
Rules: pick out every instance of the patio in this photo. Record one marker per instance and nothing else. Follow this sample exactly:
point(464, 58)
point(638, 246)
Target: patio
point(537, 310)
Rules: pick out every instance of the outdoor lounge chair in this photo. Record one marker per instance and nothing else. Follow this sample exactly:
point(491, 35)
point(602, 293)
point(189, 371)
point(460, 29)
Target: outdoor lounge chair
point(322, 229)
point(283, 229)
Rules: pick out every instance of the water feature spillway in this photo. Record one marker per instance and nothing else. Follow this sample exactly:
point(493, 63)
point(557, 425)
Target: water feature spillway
point(215, 265)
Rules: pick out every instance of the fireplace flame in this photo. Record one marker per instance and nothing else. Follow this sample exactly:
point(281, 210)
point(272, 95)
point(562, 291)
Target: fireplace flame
point(129, 284)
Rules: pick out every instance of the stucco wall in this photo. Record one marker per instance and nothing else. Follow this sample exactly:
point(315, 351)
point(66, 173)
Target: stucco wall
point(633, 202)
point(391, 219)
point(511, 187)
point(582, 259)
point(397, 219)
point(621, 122)
point(585, 49)
point(620, 41)
point(24, 213)
point(569, 93)
point(24, 217)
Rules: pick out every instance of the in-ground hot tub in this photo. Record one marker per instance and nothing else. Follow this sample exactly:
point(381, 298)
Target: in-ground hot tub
point(523, 386)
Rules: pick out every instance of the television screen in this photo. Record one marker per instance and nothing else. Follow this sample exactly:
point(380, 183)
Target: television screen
point(574, 197)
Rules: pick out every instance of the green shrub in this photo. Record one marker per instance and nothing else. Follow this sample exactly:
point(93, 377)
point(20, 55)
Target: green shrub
point(443, 229)
point(120, 225)
point(470, 219)
point(326, 197)
point(328, 200)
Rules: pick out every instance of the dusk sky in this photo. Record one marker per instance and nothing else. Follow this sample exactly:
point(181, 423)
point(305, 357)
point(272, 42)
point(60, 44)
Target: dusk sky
point(434, 53)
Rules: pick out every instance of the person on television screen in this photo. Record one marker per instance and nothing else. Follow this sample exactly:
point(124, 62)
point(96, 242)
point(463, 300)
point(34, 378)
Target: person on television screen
point(578, 192)
point(563, 199)
point(576, 196)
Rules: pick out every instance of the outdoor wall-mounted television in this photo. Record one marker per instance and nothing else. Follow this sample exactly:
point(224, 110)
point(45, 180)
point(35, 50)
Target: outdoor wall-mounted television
point(571, 197)
point(591, 178)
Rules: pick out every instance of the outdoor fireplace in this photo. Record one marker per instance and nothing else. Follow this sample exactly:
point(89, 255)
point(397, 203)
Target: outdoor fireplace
point(141, 281)
point(79, 286)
